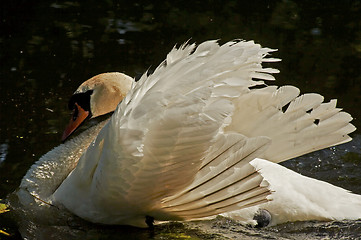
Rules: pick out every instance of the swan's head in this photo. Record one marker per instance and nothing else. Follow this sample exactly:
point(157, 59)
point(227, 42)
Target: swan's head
point(95, 97)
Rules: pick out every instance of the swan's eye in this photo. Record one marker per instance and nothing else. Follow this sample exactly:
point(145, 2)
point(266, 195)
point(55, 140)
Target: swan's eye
point(75, 113)
point(82, 99)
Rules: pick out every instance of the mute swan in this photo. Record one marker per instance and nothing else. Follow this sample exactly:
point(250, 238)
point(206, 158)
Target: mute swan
point(180, 144)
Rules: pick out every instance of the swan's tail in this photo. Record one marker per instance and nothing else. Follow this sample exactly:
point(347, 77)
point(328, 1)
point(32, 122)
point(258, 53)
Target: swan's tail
point(296, 124)
point(300, 198)
point(225, 182)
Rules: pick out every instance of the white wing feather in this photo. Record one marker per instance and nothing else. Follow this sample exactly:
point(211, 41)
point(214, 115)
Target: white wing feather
point(305, 125)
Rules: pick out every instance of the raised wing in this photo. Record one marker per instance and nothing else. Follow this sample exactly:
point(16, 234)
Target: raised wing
point(296, 124)
point(170, 150)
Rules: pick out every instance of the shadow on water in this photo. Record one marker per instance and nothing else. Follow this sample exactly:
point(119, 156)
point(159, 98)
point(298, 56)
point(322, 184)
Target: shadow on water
point(48, 48)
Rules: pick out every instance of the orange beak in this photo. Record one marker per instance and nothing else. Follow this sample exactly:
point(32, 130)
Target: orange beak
point(79, 115)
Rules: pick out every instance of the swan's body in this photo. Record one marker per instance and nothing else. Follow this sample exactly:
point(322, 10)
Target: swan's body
point(300, 198)
point(179, 145)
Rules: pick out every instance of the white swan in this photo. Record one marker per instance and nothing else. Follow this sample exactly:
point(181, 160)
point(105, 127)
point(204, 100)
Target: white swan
point(179, 145)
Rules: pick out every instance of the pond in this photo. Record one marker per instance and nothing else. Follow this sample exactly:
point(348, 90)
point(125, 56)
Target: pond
point(49, 47)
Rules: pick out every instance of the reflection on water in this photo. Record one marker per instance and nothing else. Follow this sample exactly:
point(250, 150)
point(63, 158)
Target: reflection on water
point(3, 151)
point(218, 228)
point(48, 48)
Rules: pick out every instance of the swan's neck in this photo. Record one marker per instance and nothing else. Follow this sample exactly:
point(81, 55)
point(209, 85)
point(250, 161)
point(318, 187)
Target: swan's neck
point(45, 176)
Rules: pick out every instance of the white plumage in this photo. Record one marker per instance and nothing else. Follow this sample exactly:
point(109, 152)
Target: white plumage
point(178, 146)
point(299, 198)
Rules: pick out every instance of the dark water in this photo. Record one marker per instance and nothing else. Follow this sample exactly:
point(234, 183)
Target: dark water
point(49, 47)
